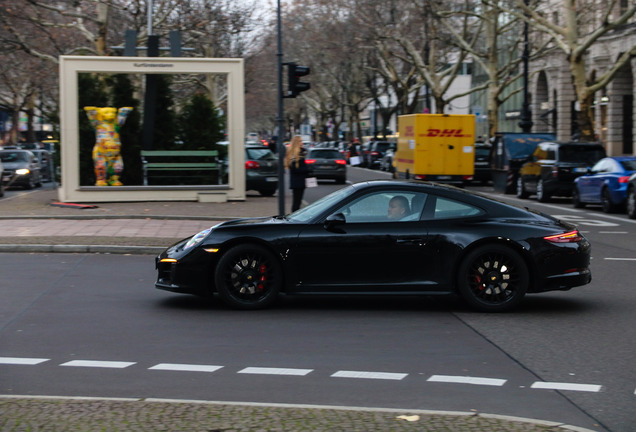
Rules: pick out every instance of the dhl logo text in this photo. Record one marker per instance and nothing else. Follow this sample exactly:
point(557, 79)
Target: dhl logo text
point(455, 133)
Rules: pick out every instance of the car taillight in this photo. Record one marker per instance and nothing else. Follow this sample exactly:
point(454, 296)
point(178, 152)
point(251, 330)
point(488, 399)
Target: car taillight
point(310, 161)
point(568, 237)
point(341, 162)
point(467, 178)
point(419, 177)
point(374, 153)
point(555, 171)
point(623, 179)
point(252, 164)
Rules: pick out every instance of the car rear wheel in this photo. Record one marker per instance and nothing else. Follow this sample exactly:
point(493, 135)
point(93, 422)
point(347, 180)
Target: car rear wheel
point(248, 277)
point(606, 201)
point(631, 203)
point(576, 198)
point(521, 189)
point(493, 278)
point(267, 192)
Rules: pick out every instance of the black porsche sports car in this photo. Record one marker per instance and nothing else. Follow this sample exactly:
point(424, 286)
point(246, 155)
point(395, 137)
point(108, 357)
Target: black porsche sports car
point(383, 238)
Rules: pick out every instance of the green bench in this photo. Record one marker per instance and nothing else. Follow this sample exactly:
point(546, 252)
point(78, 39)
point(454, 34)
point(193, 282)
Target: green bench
point(169, 161)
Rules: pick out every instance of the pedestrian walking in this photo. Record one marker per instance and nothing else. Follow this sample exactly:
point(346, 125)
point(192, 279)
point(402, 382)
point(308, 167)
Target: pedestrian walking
point(298, 170)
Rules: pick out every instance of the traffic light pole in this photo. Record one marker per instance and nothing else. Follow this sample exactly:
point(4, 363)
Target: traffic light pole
point(280, 122)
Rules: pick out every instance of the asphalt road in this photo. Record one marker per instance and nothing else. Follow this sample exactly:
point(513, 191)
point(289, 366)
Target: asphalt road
point(81, 328)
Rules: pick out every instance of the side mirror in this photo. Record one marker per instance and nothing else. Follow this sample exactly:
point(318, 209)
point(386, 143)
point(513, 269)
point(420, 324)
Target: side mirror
point(335, 219)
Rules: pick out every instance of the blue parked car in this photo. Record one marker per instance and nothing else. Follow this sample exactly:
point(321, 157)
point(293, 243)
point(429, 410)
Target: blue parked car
point(605, 183)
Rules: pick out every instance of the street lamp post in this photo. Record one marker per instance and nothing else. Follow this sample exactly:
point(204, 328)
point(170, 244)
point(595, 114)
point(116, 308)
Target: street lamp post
point(280, 122)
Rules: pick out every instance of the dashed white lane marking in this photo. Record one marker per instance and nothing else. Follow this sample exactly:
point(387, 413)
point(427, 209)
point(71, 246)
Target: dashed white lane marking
point(185, 367)
point(22, 360)
point(467, 380)
point(98, 364)
point(566, 386)
point(369, 375)
point(275, 371)
point(620, 259)
point(613, 232)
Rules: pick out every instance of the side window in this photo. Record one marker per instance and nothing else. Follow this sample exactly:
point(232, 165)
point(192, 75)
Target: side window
point(385, 206)
point(447, 208)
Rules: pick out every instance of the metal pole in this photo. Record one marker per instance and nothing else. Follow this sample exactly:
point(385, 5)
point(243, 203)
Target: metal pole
point(526, 120)
point(150, 8)
point(280, 121)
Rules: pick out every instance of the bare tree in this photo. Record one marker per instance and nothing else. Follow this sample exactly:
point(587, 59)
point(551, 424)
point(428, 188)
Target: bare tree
point(582, 24)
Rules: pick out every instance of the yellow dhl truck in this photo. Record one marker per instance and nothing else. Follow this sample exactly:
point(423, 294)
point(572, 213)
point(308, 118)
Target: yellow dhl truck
point(436, 147)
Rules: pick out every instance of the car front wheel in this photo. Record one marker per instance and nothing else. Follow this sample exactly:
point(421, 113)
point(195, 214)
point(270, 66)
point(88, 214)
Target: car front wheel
point(542, 196)
point(248, 277)
point(521, 189)
point(493, 278)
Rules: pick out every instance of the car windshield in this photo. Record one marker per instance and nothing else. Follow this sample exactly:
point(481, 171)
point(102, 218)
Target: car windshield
point(482, 151)
point(382, 146)
point(260, 154)
point(324, 154)
point(581, 154)
point(314, 209)
point(629, 165)
point(14, 157)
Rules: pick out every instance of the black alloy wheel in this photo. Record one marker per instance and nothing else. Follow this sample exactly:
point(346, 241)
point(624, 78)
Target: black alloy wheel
point(248, 277)
point(606, 201)
point(493, 278)
point(576, 198)
point(631, 203)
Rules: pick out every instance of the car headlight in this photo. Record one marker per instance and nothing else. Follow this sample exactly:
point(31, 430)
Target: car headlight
point(22, 171)
point(197, 238)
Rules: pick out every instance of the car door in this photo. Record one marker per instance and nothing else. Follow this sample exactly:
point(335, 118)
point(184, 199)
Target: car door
point(591, 184)
point(364, 251)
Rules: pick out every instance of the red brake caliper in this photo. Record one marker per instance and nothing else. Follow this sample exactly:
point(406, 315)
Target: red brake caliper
point(262, 270)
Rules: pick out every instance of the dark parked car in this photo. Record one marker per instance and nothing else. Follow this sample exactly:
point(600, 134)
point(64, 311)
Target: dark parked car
point(605, 183)
point(375, 153)
point(327, 163)
point(448, 240)
point(553, 166)
point(261, 170)
point(482, 163)
point(21, 168)
point(46, 164)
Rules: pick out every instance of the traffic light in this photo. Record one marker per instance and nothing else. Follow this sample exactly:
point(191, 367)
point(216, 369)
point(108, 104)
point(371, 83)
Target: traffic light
point(295, 86)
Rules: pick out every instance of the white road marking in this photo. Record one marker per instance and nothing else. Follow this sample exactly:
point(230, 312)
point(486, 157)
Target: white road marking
point(566, 386)
point(98, 364)
point(369, 375)
point(275, 371)
point(185, 367)
point(467, 380)
point(613, 232)
point(22, 360)
point(620, 259)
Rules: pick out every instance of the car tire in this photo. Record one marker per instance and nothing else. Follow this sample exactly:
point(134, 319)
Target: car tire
point(248, 277)
point(542, 196)
point(576, 198)
point(521, 189)
point(493, 278)
point(341, 180)
point(631, 203)
point(606, 202)
point(267, 192)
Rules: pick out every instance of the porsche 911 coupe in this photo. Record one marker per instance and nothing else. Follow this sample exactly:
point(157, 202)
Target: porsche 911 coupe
point(383, 238)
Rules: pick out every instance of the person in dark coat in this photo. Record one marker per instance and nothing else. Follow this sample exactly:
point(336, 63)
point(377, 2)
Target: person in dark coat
point(298, 170)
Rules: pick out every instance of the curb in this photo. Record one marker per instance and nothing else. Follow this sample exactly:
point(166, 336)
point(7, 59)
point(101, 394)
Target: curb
point(104, 249)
